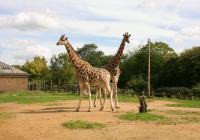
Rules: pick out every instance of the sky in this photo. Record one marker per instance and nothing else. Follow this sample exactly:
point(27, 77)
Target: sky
point(32, 27)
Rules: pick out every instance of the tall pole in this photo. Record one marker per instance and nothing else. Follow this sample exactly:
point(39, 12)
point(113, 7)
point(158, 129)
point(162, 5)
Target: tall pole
point(149, 70)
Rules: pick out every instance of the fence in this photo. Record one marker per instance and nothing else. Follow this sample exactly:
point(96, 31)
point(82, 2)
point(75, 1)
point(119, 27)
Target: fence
point(178, 95)
point(52, 86)
point(74, 88)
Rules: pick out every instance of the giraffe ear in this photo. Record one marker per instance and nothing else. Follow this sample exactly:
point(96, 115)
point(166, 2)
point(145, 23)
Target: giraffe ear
point(129, 35)
point(123, 34)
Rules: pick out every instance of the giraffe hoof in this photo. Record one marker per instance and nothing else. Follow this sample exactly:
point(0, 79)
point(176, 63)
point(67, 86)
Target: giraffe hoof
point(89, 110)
point(112, 109)
point(118, 107)
point(101, 109)
point(95, 106)
point(77, 110)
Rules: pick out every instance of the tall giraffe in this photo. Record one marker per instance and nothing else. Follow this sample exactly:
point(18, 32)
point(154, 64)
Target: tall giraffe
point(113, 67)
point(87, 75)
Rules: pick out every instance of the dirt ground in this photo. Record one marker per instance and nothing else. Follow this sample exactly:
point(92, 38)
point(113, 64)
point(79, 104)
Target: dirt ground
point(44, 122)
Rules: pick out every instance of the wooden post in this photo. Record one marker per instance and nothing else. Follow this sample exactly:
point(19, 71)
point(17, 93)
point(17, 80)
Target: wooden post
point(51, 86)
point(149, 71)
point(44, 86)
point(59, 85)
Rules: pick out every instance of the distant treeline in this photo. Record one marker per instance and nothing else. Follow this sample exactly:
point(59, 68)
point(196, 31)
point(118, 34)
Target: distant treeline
point(168, 68)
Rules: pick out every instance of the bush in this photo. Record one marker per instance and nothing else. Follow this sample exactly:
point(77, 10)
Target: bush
point(196, 88)
point(137, 84)
point(174, 91)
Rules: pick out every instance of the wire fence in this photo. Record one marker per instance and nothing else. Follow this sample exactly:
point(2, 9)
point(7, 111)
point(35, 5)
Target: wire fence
point(52, 86)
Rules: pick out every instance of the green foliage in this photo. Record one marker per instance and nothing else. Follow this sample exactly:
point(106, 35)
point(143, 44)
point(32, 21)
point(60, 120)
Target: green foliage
point(37, 68)
point(196, 88)
point(83, 125)
point(62, 69)
point(34, 97)
point(90, 53)
point(130, 116)
point(137, 84)
point(174, 91)
point(136, 63)
point(189, 66)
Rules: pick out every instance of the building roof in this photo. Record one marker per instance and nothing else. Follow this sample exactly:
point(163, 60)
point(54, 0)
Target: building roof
point(10, 70)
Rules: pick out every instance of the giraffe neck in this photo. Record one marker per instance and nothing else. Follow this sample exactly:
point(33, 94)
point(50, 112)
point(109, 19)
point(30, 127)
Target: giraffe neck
point(74, 57)
point(114, 62)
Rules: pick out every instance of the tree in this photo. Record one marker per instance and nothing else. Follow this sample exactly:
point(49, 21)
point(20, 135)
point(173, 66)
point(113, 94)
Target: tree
point(136, 63)
point(62, 69)
point(189, 67)
point(37, 68)
point(90, 53)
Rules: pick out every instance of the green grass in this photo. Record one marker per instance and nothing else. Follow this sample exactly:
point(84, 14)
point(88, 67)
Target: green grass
point(131, 99)
point(180, 112)
point(83, 125)
point(182, 103)
point(130, 116)
point(186, 103)
point(28, 97)
point(4, 116)
point(128, 99)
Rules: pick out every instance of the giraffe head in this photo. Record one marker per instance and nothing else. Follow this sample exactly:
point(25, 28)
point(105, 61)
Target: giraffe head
point(126, 37)
point(62, 40)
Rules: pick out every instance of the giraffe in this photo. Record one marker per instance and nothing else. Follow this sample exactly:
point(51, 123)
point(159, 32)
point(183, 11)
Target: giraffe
point(87, 74)
point(113, 67)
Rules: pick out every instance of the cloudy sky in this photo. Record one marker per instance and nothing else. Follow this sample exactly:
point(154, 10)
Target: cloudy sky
point(32, 27)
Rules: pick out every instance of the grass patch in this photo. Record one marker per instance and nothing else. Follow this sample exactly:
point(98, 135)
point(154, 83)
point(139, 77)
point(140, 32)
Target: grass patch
point(130, 116)
point(28, 97)
point(131, 99)
point(4, 116)
point(127, 99)
point(83, 125)
point(182, 103)
point(180, 112)
point(186, 103)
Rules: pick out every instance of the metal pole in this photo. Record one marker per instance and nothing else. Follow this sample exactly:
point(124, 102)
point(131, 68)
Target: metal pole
point(149, 70)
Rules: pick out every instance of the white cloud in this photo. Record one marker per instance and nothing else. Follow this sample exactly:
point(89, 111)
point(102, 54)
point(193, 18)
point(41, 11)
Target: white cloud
point(18, 51)
point(30, 21)
point(173, 21)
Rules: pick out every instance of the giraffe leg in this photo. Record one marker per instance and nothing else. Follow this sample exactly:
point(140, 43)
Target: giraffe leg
point(105, 96)
point(97, 92)
point(100, 97)
point(114, 88)
point(89, 94)
point(115, 93)
point(81, 95)
point(108, 89)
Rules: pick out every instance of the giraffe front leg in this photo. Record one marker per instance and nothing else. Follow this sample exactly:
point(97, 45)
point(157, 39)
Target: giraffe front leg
point(96, 97)
point(115, 95)
point(108, 89)
point(89, 93)
point(81, 95)
point(100, 97)
point(114, 88)
point(105, 96)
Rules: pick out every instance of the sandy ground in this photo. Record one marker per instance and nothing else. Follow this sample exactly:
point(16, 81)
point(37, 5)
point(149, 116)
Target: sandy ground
point(44, 122)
